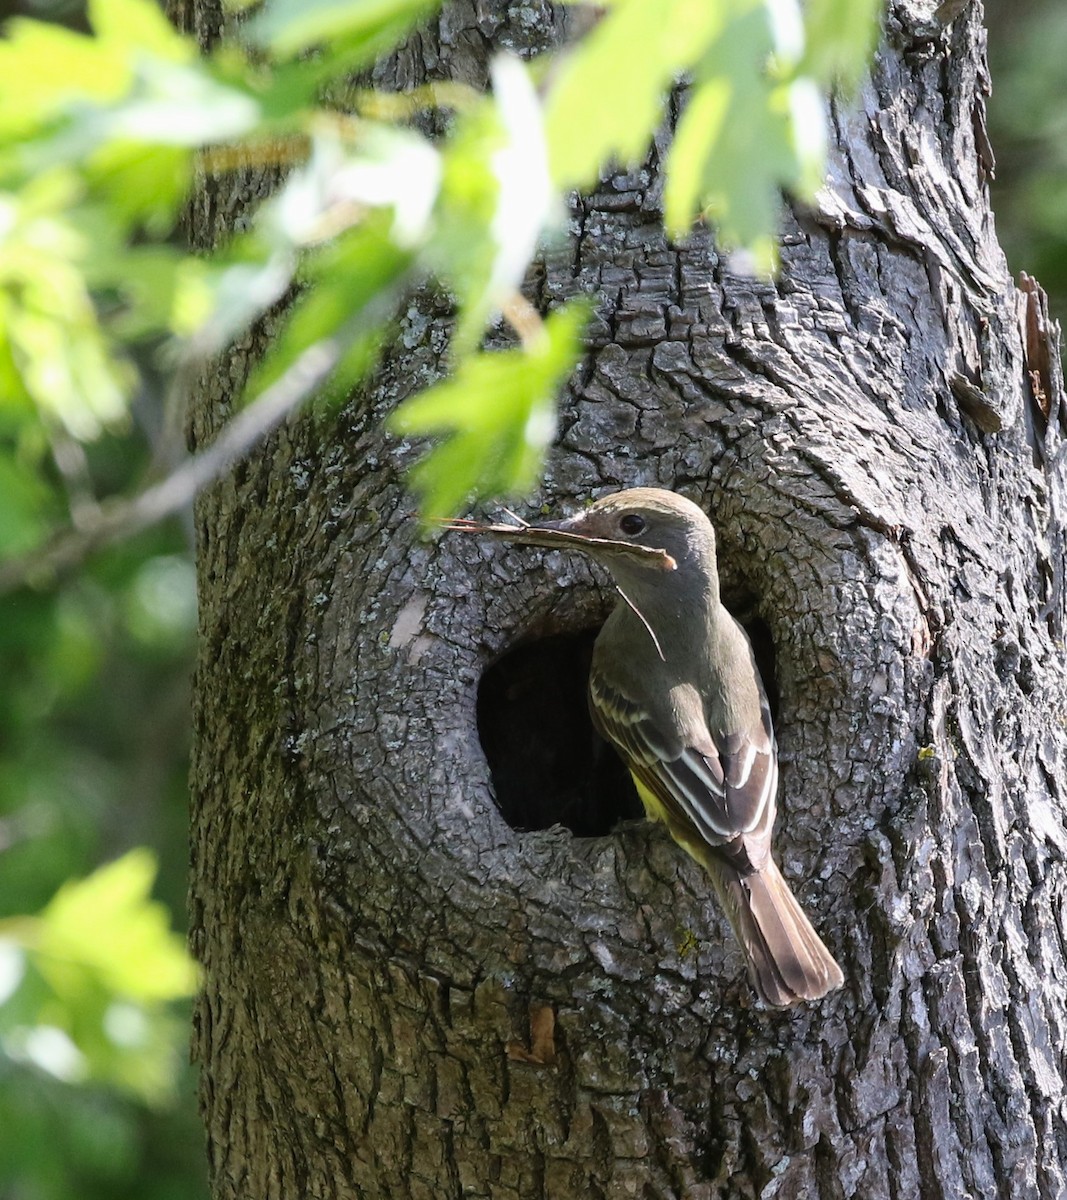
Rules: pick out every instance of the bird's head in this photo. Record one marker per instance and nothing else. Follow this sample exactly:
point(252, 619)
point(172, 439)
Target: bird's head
point(618, 527)
point(640, 535)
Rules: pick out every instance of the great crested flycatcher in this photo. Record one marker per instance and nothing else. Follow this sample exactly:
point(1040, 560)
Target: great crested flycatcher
point(675, 689)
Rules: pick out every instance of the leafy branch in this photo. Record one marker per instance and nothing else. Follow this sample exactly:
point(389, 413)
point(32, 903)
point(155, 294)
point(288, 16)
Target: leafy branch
point(102, 136)
point(122, 518)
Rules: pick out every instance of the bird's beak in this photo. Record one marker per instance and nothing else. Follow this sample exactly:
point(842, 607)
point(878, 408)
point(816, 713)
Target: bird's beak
point(571, 533)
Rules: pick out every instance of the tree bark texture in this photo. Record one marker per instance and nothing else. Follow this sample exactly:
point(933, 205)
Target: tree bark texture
point(406, 997)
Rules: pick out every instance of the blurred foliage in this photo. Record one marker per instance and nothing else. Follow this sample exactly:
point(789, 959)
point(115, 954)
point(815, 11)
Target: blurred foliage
point(101, 133)
point(96, 1096)
point(1028, 130)
point(106, 116)
point(83, 984)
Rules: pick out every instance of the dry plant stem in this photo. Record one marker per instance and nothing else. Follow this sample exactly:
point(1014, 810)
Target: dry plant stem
point(560, 539)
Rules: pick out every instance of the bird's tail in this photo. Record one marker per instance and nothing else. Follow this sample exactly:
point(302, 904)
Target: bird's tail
point(787, 960)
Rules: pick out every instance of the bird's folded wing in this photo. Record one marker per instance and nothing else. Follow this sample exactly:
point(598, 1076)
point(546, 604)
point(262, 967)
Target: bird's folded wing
point(721, 789)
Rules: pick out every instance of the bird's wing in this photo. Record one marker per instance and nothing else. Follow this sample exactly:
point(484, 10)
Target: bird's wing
point(720, 790)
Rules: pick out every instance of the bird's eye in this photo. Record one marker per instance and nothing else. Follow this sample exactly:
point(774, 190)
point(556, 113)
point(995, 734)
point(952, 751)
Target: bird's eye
point(632, 524)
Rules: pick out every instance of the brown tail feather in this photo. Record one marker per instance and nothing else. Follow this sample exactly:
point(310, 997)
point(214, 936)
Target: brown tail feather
point(787, 960)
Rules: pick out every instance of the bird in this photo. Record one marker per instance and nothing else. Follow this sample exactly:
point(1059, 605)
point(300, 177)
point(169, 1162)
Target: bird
point(675, 689)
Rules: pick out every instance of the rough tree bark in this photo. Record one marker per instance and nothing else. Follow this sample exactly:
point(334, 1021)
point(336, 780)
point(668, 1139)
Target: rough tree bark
point(407, 997)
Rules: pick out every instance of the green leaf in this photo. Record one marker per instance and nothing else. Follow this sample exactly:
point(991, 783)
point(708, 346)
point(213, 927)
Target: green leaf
point(91, 979)
point(172, 105)
point(142, 185)
point(44, 68)
point(841, 37)
point(387, 168)
point(495, 417)
point(106, 927)
point(151, 290)
point(463, 249)
point(166, 106)
point(735, 105)
point(285, 92)
point(609, 95)
point(67, 368)
point(53, 349)
point(351, 288)
point(496, 199)
point(353, 31)
point(139, 26)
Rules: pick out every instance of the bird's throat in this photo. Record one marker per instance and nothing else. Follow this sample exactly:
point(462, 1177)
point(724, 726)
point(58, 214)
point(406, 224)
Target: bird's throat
point(669, 629)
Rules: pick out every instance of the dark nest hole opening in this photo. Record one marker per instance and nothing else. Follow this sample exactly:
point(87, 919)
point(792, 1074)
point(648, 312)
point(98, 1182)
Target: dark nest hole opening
point(548, 764)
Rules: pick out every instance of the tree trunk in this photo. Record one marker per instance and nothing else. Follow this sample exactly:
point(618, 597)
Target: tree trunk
point(408, 995)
